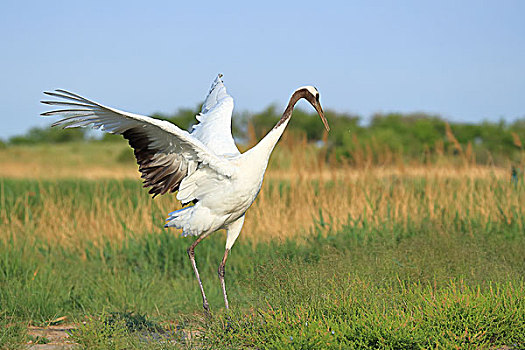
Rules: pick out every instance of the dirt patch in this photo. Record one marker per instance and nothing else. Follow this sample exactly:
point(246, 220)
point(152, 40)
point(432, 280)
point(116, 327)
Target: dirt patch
point(58, 337)
point(51, 338)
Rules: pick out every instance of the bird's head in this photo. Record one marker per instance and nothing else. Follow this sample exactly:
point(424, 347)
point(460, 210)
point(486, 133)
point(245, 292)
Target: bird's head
point(310, 94)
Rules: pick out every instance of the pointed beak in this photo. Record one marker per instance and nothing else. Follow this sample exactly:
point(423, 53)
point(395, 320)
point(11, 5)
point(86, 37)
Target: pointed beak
point(319, 110)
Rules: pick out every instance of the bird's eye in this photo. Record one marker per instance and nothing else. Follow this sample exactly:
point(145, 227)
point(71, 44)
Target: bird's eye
point(317, 96)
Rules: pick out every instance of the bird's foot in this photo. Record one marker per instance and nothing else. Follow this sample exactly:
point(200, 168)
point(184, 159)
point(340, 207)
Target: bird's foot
point(206, 306)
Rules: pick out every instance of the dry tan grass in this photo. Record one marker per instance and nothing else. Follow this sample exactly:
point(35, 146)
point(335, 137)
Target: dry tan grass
point(297, 187)
point(71, 160)
point(293, 160)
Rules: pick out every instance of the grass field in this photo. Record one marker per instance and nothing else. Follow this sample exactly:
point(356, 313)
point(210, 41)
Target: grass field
point(416, 256)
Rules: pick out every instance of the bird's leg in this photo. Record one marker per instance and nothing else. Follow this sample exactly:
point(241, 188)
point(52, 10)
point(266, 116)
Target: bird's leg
point(191, 254)
point(221, 277)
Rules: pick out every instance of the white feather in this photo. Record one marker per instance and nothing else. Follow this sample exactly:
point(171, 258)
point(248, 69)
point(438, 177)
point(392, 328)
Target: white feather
point(214, 128)
point(165, 135)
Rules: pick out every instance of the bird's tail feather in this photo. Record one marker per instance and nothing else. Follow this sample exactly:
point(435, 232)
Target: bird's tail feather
point(193, 220)
point(179, 219)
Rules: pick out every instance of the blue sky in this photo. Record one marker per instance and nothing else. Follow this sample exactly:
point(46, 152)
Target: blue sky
point(464, 60)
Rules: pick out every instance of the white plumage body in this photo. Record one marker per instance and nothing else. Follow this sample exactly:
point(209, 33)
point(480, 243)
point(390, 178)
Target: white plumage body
point(221, 200)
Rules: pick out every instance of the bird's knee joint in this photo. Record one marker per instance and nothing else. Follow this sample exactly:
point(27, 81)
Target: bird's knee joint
point(191, 252)
point(221, 271)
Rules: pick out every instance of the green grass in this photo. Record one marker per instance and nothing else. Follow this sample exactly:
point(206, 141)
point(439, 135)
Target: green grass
point(128, 331)
point(12, 331)
point(404, 286)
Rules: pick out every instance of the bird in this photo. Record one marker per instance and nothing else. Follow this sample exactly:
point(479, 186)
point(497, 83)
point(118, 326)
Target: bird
point(215, 183)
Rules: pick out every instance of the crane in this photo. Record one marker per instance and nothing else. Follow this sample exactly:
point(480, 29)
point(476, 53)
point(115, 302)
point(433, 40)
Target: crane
point(216, 184)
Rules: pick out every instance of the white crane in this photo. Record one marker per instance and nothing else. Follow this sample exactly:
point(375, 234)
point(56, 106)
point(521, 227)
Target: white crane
point(204, 166)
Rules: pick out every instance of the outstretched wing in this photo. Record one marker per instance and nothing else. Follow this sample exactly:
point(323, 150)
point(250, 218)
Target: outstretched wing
point(165, 154)
point(215, 120)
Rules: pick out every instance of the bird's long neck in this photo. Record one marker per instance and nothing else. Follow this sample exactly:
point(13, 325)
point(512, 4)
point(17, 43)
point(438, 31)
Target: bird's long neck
point(265, 147)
